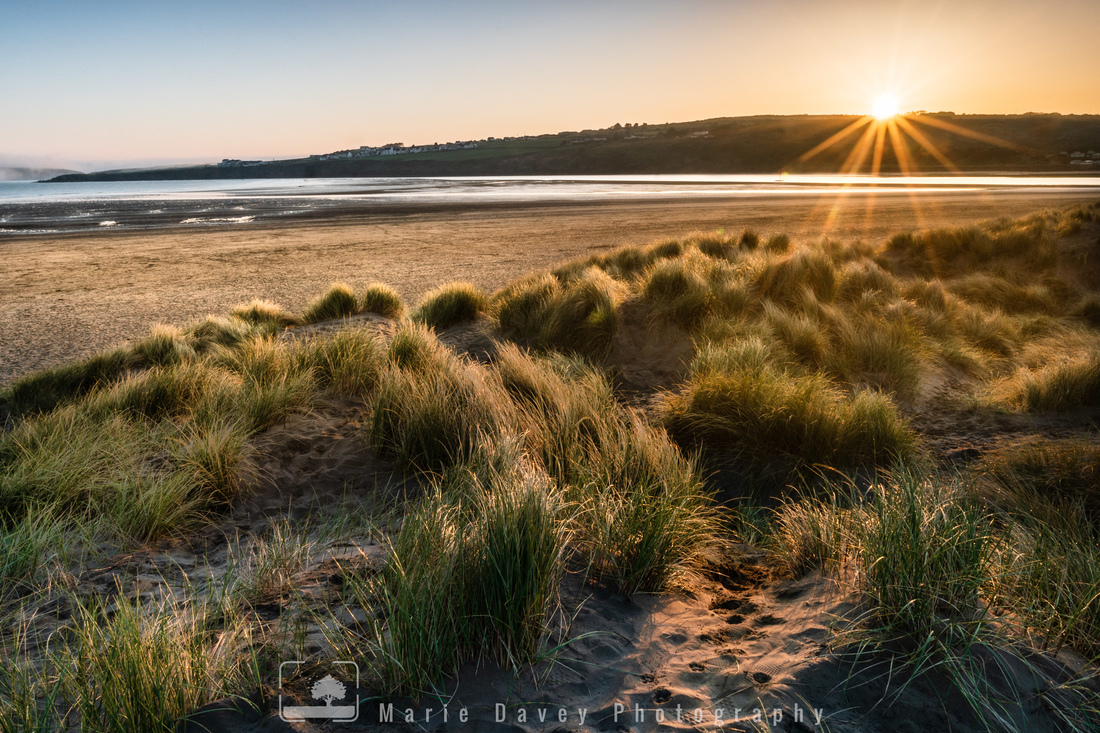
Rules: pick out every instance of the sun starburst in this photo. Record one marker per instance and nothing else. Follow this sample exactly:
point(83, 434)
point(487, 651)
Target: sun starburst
point(885, 107)
point(886, 130)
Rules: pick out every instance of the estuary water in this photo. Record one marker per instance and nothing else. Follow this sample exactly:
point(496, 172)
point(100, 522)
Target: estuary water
point(31, 208)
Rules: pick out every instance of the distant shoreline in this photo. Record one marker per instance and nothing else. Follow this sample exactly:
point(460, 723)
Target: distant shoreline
point(293, 169)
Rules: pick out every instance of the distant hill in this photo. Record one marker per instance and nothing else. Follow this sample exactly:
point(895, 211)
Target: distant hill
point(33, 174)
point(1037, 143)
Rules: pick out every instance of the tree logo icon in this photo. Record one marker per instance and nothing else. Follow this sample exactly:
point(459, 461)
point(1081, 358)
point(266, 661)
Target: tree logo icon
point(328, 688)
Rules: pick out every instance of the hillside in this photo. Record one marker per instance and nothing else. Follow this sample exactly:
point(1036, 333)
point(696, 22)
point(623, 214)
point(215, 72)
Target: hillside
point(1041, 143)
point(33, 174)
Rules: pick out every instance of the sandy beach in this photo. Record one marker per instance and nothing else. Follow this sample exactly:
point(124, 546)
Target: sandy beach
point(65, 297)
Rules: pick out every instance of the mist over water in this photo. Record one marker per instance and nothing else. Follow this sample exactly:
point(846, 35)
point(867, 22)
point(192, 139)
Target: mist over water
point(43, 208)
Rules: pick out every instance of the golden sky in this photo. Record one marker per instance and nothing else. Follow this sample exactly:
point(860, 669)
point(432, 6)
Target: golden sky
point(92, 84)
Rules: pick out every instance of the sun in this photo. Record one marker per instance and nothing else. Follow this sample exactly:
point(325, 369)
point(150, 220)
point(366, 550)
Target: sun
point(885, 107)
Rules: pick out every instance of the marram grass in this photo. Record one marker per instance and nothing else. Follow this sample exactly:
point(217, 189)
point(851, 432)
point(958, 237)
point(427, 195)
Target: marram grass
point(807, 358)
point(264, 314)
point(45, 390)
point(381, 299)
point(451, 304)
point(1057, 387)
point(577, 314)
point(766, 415)
point(931, 560)
point(338, 302)
point(473, 570)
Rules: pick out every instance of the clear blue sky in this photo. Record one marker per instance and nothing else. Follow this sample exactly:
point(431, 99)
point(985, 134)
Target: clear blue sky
point(96, 84)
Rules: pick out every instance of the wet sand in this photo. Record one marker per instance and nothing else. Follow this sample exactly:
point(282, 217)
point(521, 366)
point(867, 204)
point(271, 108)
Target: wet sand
point(65, 297)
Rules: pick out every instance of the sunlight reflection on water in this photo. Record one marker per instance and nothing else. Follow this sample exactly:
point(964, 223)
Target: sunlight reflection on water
point(28, 207)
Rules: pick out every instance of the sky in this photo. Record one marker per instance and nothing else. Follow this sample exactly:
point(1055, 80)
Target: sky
point(93, 85)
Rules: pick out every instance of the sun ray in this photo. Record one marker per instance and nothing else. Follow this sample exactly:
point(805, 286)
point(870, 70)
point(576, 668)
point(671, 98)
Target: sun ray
point(855, 159)
point(880, 137)
point(835, 138)
point(927, 144)
point(851, 164)
point(876, 166)
point(950, 127)
point(880, 145)
point(901, 152)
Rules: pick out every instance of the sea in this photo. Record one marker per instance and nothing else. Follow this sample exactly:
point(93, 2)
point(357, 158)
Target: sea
point(37, 208)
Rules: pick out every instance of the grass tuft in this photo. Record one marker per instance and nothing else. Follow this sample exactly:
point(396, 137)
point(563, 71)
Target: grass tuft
point(768, 416)
point(643, 536)
point(881, 351)
point(1089, 310)
point(677, 291)
point(926, 549)
point(582, 319)
point(951, 251)
point(414, 347)
point(717, 246)
point(265, 314)
point(450, 304)
point(521, 307)
point(381, 299)
point(784, 279)
point(429, 419)
point(32, 544)
point(1048, 490)
point(141, 668)
point(778, 243)
point(212, 453)
point(48, 389)
point(338, 302)
point(164, 346)
point(864, 276)
point(474, 569)
point(1063, 471)
point(1060, 387)
point(217, 331)
point(349, 362)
